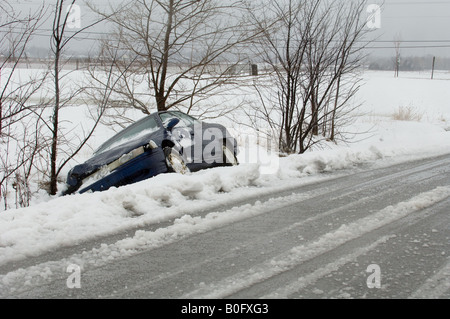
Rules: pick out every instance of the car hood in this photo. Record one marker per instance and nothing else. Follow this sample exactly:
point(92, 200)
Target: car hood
point(82, 171)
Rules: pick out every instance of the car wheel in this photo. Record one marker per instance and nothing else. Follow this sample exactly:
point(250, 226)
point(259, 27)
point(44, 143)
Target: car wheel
point(175, 162)
point(228, 156)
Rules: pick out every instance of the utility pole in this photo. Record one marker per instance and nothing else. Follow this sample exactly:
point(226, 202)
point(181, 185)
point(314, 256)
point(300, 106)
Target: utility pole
point(432, 68)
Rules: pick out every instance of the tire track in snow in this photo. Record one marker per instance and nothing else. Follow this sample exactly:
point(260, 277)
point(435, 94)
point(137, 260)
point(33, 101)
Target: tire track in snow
point(324, 244)
point(308, 279)
point(436, 286)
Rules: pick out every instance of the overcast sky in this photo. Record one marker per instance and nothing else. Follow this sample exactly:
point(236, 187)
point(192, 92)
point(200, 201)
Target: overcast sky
point(423, 26)
point(425, 23)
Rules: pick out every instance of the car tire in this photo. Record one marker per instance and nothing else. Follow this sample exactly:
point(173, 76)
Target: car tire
point(229, 158)
point(175, 162)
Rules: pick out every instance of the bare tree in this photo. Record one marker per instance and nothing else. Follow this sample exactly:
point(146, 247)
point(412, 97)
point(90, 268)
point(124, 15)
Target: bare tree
point(176, 52)
point(27, 146)
point(19, 116)
point(334, 56)
point(313, 49)
point(10, 21)
point(59, 40)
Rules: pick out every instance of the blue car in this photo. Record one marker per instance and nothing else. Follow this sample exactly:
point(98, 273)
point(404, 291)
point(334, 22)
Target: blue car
point(162, 142)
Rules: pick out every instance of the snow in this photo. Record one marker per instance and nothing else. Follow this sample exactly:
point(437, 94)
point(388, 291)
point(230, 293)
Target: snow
point(325, 243)
point(380, 140)
point(435, 286)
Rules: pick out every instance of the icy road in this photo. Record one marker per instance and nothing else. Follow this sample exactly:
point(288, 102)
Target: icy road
point(366, 233)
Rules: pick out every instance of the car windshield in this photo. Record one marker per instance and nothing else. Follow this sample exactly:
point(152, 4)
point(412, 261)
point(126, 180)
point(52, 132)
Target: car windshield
point(143, 127)
point(185, 120)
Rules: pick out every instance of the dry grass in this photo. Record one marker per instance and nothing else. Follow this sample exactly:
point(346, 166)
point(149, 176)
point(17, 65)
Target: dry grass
point(407, 113)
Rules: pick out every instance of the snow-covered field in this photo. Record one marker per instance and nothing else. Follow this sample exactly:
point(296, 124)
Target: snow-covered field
point(380, 139)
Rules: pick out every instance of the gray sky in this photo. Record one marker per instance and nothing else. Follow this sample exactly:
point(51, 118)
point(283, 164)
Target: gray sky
point(422, 25)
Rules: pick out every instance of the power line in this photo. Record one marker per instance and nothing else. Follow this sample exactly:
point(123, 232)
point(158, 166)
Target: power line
point(414, 3)
point(413, 47)
point(102, 33)
point(411, 41)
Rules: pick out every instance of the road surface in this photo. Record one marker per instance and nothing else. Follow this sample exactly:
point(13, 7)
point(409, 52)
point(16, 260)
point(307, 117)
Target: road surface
point(367, 233)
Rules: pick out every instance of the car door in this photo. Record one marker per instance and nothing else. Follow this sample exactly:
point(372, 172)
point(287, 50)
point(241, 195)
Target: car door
point(186, 134)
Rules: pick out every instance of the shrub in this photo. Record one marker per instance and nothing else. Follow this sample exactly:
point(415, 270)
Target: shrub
point(407, 113)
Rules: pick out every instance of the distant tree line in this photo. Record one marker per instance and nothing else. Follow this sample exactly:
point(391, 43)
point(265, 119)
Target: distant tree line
point(409, 63)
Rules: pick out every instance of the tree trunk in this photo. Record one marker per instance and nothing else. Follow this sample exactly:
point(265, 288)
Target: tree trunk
point(333, 115)
point(160, 95)
point(160, 101)
point(55, 120)
point(314, 114)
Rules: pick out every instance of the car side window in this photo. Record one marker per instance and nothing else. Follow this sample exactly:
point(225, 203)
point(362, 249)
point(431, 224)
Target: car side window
point(147, 125)
point(185, 120)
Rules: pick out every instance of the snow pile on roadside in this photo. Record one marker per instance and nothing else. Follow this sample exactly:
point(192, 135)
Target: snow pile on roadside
point(68, 220)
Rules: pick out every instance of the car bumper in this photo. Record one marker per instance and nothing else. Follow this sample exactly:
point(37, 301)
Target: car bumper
point(144, 166)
